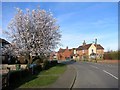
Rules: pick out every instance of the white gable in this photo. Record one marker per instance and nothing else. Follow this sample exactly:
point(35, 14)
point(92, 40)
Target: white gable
point(91, 49)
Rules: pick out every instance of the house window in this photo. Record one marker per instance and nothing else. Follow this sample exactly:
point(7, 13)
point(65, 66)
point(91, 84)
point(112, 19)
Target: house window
point(74, 51)
point(92, 51)
point(83, 51)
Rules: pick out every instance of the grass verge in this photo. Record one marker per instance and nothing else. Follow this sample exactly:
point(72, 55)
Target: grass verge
point(44, 78)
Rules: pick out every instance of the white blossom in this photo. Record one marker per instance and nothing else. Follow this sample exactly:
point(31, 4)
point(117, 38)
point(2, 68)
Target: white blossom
point(33, 32)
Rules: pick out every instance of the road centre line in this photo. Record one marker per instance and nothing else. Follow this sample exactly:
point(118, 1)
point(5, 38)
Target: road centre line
point(110, 74)
point(105, 72)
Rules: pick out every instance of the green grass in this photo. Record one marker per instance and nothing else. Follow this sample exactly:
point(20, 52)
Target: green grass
point(59, 69)
point(40, 81)
point(44, 78)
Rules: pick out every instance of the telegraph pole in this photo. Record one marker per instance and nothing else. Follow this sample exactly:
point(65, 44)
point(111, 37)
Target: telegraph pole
point(96, 49)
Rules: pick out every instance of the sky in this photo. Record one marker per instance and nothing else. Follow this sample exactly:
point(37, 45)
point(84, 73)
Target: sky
point(78, 21)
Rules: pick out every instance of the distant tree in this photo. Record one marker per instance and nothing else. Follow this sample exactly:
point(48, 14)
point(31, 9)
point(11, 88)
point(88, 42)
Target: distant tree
point(32, 32)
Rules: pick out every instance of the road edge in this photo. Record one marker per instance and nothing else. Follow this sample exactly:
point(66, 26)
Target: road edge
point(74, 79)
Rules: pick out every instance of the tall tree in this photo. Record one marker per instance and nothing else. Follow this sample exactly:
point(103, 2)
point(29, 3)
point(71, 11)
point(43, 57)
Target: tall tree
point(33, 32)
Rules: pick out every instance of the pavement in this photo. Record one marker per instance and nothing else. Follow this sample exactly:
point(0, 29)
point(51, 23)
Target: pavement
point(66, 80)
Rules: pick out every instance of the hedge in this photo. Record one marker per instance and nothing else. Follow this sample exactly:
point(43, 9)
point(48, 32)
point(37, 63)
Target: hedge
point(54, 62)
point(111, 55)
point(47, 64)
point(14, 76)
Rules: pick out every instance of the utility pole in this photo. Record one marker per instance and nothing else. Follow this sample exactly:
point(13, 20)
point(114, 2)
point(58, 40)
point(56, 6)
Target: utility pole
point(96, 49)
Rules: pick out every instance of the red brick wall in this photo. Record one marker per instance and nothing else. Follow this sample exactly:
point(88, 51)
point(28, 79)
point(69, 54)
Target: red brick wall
point(81, 52)
point(61, 56)
point(66, 54)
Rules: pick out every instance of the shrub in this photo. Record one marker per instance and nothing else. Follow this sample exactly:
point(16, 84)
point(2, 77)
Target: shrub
point(24, 73)
point(46, 64)
point(111, 55)
point(34, 68)
point(53, 62)
point(118, 55)
point(15, 76)
point(37, 59)
point(37, 68)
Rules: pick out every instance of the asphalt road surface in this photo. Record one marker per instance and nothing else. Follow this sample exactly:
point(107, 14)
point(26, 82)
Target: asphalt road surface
point(95, 75)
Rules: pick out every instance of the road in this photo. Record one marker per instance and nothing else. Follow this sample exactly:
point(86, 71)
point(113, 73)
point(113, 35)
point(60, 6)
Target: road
point(95, 75)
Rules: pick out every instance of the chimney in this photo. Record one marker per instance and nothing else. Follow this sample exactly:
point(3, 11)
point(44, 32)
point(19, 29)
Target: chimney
point(84, 43)
point(96, 41)
point(67, 47)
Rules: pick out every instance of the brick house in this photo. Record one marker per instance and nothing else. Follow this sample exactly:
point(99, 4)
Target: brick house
point(53, 56)
point(64, 54)
point(3, 57)
point(84, 51)
point(90, 50)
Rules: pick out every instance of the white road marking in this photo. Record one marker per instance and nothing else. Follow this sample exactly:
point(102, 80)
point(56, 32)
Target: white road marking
point(94, 66)
point(110, 65)
point(97, 63)
point(110, 74)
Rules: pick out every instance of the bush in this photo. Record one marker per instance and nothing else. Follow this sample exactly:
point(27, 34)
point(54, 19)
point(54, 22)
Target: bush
point(37, 68)
point(111, 55)
point(37, 59)
point(118, 55)
point(46, 65)
point(34, 68)
point(15, 76)
point(53, 62)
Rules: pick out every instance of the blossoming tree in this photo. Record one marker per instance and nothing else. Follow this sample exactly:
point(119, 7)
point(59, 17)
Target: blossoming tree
point(33, 32)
